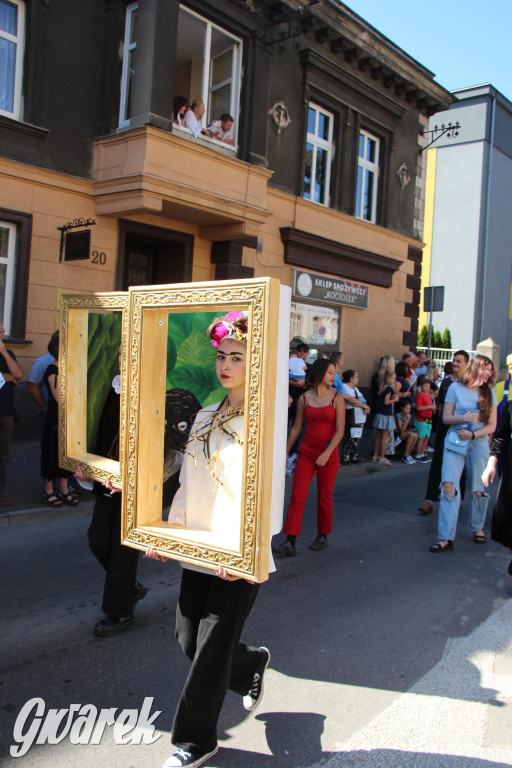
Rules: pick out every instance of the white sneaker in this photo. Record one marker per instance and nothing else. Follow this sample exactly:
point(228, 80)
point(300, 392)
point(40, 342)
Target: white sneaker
point(428, 449)
point(183, 759)
point(408, 460)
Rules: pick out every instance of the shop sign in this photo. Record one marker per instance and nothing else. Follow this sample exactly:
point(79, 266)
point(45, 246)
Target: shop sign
point(333, 290)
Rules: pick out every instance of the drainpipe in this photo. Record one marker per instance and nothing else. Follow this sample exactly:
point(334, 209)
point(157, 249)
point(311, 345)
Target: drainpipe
point(486, 228)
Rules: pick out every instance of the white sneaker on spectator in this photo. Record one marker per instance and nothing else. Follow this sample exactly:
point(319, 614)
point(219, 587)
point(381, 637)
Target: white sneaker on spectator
point(408, 460)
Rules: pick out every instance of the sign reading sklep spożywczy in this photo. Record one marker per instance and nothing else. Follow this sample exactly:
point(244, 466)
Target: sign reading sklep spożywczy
point(82, 724)
point(334, 290)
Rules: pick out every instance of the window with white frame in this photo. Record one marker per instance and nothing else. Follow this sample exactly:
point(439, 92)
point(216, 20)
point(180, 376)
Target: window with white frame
point(367, 177)
point(319, 153)
point(8, 234)
point(208, 66)
point(12, 40)
point(130, 44)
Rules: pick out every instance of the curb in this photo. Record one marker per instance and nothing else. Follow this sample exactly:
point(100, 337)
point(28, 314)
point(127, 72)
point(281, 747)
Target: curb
point(17, 518)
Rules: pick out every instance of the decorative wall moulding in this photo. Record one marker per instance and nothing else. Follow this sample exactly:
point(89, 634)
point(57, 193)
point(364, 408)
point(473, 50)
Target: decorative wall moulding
point(280, 116)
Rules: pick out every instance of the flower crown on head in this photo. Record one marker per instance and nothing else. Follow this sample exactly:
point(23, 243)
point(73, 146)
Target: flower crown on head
point(227, 326)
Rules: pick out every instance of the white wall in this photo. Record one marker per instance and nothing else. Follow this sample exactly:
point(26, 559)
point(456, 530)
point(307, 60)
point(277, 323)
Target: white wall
point(456, 233)
point(499, 254)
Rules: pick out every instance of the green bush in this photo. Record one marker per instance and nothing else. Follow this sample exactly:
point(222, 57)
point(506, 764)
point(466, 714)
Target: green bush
point(423, 337)
point(437, 341)
point(447, 339)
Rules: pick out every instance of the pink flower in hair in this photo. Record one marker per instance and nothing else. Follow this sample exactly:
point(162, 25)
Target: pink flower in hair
point(225, 328)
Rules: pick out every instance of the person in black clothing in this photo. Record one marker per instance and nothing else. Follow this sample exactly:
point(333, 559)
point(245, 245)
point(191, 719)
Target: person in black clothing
point(121, 591)
point(501, 450)
point(50, 468)
point(11, 371)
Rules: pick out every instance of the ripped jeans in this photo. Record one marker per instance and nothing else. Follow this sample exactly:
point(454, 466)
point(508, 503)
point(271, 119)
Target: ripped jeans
point(453, 464)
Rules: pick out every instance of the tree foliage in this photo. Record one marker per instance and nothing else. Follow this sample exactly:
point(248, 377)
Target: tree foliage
point(437, 340)
point(447, 339)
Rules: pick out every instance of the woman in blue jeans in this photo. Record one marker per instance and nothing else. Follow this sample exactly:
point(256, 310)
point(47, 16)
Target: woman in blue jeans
point(470, 413)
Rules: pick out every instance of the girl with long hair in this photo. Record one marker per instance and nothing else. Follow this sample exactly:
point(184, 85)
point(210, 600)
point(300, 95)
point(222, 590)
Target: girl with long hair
point(323, 410)
point(470, 413)
point(384, 421)
point(213, 605)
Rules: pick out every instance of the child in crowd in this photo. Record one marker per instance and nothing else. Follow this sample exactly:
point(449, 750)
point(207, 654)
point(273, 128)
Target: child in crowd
point(406, 434)
point(297, 370)
point(384, 422)
point(425, 408)
point(355, 416)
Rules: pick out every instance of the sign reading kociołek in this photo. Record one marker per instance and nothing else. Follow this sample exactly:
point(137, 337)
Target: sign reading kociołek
point(334, 290)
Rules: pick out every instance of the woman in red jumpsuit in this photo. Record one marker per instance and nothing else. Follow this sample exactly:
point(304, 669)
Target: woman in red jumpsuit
point(323, 410)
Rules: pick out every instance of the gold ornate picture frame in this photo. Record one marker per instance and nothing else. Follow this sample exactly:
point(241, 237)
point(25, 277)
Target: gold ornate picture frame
point(92, 327)
point(153, 367)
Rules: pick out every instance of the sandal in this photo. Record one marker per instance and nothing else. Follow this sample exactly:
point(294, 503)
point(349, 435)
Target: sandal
point(386, 462)
point(51, 499)
point(68, 499)
point(440, 547)
point(479, 538)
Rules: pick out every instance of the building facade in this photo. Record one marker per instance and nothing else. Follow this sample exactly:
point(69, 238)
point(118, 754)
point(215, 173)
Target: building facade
point(469, 227)
point(323, 187)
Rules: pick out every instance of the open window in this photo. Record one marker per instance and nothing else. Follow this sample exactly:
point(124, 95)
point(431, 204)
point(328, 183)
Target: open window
point(128, 71)
point(208, 67)
point(319, 152)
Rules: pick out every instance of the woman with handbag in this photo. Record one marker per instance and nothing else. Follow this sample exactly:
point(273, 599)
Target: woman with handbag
point(501, 453)
point(470, 413)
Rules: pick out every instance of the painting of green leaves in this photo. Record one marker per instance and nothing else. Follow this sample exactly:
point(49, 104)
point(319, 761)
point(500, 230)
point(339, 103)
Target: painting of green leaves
point(191, 356)
point(104, 338)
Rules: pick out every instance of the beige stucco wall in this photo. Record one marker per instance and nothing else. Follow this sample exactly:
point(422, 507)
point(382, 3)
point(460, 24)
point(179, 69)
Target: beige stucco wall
point(54, 199)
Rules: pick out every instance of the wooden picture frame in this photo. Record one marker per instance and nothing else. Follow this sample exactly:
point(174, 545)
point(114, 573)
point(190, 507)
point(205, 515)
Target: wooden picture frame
point(151, 311)
point(92, 326)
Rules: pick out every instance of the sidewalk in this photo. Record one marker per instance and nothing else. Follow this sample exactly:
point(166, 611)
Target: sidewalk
point(456, 716)
point(25, 490)
point(25, 487)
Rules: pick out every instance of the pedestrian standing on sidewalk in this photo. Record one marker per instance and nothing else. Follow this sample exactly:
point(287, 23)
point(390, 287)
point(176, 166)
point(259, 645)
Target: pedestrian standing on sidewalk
point(121, 591)
point(384, 421)
point(36, 386)
point(323, 412)
point(501, 453)
point(470, 413)
point(460, 361)
point(213, 606)
point(10, 373)
point(356, 411)
point(424, 411)
point(50, 469)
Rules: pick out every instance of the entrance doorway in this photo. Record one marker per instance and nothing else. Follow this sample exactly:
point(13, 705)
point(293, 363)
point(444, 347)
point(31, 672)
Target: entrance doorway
point(152, 256)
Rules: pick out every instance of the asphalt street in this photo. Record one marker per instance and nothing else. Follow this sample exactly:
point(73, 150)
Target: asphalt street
point(383, 654)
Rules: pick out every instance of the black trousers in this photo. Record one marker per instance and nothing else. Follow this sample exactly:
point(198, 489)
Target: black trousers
point(209, 620)
point(120, 563)
point(436, 466)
